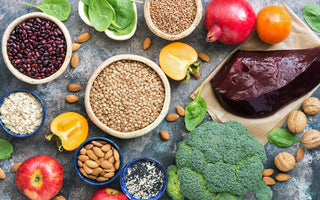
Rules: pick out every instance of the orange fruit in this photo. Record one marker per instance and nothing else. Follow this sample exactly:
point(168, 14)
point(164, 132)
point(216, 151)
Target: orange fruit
point(273, 24)
point(175, 58)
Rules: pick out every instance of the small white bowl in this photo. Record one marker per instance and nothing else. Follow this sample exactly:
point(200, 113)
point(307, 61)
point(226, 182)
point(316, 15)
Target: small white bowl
point(15, 71)
point(140, 132)
point(108, 32)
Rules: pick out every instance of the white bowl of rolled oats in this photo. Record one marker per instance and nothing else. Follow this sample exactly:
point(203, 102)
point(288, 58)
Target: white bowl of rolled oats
point(22, 112)
point(127, 96)
point(172, 19)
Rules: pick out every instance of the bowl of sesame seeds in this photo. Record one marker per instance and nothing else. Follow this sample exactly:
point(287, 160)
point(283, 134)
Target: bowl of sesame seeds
point(172, 19)
point(22, 112)
point(127, 96)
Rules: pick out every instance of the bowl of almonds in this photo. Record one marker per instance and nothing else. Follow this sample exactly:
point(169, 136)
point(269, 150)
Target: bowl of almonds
point(127, 96)
point(98, 161)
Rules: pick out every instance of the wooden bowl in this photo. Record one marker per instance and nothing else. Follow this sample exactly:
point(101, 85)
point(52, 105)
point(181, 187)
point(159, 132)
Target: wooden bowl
point(140, 132)
point(15, 71)
point(166, 36)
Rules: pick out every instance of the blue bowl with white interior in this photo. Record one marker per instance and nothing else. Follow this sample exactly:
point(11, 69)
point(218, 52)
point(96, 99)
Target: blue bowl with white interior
point(7, 130)
point(88, 180)
point(127, 169)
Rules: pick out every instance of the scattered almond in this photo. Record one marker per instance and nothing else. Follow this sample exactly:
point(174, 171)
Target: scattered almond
point(59, 197)
point(269, 180)
point(267, 172)
point(72, 98)
point(172, 117)
point(75, 46)
point(164, 135)
point(15, 167)
point(180, 111)
point(282, 177)
point(147, 43)
point(74, 60)
point(83, 37)
point(300, 154)
point(196, 75)
point(2, 174)
point(74, 87)
point(204, 57)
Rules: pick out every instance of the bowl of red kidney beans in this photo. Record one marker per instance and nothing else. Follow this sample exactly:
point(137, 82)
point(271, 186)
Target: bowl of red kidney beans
point(36, 48)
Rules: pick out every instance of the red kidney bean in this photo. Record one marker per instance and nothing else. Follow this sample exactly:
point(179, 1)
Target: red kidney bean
point(37, 48)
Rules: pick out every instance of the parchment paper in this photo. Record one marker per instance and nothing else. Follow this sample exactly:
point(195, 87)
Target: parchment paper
point(301, 37)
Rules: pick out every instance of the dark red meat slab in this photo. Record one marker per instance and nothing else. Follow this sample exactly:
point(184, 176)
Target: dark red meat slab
point(258, 83)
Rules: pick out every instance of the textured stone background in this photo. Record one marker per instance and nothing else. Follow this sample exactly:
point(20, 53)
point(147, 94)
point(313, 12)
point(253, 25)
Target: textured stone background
point(305, 181)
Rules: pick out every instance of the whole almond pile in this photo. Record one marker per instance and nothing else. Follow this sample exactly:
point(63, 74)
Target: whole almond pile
point(98, 160)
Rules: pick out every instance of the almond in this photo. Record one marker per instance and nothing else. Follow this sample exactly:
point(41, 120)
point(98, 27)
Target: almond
point(87, 169)
point(204, 57)
point(300, 154)
point(83, 37)
point(102, 179)
point(79, 163)
point(83, 151)
point(267, 172)
point(84, 173)
point(96, 143)
point(172, 117)
point(98, 152)
point(147, 43)
point(112, 160)
point(117, 165)
point(92, 155)
point(108, 154)
point(15, 167)
point(88, 146)
point(97, 171)
point(109, 175)
point(74, 87)
point(92, 164)
point(74, 60)
point(196, 75)
point(106, 147)
point(116, 155)
point(164, 135)
point(59, 197)
point(83, 158)
point(72, 98)
point(282, 177)
point(180, 111)
point(2, 174)
point(106, 165)
point(75, 46)
point(269, 180)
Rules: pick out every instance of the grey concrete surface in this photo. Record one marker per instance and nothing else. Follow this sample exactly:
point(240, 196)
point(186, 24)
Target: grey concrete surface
point(305, 181)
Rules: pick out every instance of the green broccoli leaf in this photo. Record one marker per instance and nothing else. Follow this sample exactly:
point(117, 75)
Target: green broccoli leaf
point(173, 186)
point(262, 191)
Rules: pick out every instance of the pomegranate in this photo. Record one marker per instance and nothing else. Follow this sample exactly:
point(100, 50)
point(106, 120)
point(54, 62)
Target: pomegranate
point(229, 21)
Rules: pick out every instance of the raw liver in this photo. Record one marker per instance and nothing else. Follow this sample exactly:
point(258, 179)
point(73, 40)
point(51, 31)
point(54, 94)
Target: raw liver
point(258, 83)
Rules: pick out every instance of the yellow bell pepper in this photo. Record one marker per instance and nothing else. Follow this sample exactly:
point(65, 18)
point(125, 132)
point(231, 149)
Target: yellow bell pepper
point(69, 129)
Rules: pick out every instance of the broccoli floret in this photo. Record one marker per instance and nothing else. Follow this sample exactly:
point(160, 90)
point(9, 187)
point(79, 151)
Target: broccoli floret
point(173, 183)
point(219, 161)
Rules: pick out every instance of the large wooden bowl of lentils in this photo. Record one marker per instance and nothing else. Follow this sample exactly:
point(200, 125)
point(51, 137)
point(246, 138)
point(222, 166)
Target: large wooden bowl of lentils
point(36, 48)
point(172, 19)
point(127, 96)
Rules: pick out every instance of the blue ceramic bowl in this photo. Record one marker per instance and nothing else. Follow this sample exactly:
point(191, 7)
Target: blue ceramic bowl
point(90, 181)
point(125, 189)
point(43, 111)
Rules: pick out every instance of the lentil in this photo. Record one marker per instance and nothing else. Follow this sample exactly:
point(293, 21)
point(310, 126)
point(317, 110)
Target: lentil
point(37, 48)
point(173, 16)
point(127, 96)
point(143, 179)
point(21, 112)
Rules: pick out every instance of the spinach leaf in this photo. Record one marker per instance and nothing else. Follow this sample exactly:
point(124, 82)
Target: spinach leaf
point(311, 14)
point(195, 111)
point(86, 11)
point(124, 12)
point(86, 2)
point(282, 138)
point(101, 14)
point(126, 30)
point(262, 191)
point(6, 149)
point(60, 9)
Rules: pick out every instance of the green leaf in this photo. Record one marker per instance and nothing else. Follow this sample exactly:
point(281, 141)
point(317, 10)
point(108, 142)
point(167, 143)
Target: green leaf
point(86, 2)
point(60, 9)
point(282, 138)
point(126, 30)
point(311, 14)
point(195, 112)
point(101, 14)
point(262, 191)
point(6, 149)
point(86, 11)
point(124, 13)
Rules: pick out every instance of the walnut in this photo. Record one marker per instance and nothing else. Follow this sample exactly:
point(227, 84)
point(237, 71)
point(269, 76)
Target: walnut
point(311, 139)
point(297, 121)
point(311, 105)
point(284, 161)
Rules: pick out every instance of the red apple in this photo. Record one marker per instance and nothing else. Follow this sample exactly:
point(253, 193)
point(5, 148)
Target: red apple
point(40, 177)
point(108, 194)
